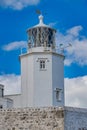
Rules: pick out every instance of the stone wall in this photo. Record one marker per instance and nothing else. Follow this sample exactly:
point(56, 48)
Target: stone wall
point(50, 118)
point(32, 119)
point(75, 118)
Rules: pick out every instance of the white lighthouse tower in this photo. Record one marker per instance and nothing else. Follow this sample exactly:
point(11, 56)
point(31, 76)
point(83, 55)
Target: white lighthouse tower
point(42, 69)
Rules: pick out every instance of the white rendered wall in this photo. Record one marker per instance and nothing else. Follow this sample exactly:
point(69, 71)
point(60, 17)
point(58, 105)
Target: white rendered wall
point(58, 78)
point(16, 100)
point(43, 81)
point(27, 80)
point(38, 86)
point(6, 103)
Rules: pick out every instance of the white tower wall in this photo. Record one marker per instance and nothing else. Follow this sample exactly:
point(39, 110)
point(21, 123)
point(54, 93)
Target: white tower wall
point(39, 87)
point(36, 84)
point(27, 80)
point(58, 79)
point(43, 81)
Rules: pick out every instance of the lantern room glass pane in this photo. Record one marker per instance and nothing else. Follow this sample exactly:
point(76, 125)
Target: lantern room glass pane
point(41, 36)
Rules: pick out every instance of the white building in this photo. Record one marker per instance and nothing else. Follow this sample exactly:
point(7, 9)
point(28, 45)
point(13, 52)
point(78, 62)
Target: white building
point(4, 102)
point(42, 70)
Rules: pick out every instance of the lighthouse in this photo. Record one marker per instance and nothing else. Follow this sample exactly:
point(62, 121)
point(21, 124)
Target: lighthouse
point(42, 69)
point(42, 85)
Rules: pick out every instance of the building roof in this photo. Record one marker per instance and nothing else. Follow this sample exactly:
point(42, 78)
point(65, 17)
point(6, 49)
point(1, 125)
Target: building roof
point(41, 24)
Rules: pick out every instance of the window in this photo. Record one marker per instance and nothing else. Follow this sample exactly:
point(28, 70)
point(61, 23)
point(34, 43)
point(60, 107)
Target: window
point(1, 106)
point(42, 64)
point(58, 94)
point(2, 92)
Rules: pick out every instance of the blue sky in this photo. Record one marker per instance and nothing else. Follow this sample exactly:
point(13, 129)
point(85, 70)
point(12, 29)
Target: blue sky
point(68, 17)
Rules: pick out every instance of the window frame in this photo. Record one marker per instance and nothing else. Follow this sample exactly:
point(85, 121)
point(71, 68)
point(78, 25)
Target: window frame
point(1, 106)
point(58, 94)
point(42, 64)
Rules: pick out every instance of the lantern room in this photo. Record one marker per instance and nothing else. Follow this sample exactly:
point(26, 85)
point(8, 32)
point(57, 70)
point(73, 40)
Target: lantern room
point(41, 35)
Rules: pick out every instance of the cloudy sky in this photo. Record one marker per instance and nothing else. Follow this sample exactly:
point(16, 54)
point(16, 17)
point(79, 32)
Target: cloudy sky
point(69, 18)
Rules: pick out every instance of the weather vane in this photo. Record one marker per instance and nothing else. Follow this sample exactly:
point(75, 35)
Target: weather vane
point(38, 12)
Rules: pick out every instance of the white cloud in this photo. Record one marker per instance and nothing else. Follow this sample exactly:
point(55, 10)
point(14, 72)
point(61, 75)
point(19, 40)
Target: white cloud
point(78, 52)
point(75, 89)
point(17, 4)
point(11, 83)
point(76, 92)
point(14, 45)
point(52, 24)
point(75, 30)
